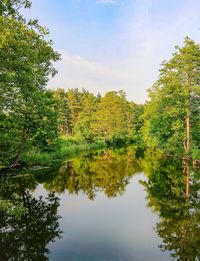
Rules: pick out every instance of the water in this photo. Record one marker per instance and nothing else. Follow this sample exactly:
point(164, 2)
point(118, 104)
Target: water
point(106, 206)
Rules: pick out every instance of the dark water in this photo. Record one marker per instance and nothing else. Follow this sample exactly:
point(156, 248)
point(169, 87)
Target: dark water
point(112, 205)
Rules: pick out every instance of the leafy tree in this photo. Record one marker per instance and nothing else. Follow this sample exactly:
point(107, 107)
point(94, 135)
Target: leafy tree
point(83, 126)
point(114, 117)
point(11, 7)
point(74, 99)
point(137, 111)
point(64, 112)
point(44, 129)
point(26, 58)
point(171, 118)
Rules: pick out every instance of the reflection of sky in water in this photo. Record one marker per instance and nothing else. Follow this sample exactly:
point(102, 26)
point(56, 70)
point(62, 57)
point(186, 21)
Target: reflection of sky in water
point(115, 229)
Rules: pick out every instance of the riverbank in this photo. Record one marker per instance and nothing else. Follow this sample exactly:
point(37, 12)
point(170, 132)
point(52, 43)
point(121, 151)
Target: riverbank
point(69, 148)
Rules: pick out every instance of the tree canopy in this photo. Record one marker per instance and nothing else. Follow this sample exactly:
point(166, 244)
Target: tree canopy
point(26, 63)
point(172, 114)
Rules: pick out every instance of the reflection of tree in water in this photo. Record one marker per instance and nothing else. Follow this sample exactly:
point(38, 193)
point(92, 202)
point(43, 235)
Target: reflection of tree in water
point(26, 237)
point(174, 195)
point(108, 171)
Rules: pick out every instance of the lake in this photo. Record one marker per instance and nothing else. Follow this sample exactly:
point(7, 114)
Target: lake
point(109, 205)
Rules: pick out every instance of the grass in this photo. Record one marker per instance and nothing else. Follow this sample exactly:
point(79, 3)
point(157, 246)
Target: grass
point(70, 147)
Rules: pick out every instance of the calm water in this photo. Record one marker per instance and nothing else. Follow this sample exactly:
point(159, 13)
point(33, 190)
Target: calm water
point(107, 206)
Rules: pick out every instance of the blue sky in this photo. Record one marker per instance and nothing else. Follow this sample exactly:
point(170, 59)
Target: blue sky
point(115, 44)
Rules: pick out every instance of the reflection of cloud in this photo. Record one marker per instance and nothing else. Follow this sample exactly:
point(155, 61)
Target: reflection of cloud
point(105, 1)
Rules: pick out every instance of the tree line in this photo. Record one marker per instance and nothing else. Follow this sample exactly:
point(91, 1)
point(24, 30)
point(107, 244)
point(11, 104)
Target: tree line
point(172, 114)
point(32, 116)
point(91, 117)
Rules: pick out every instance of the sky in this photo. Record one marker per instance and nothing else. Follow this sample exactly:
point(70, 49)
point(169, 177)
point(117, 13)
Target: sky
point(115, 44)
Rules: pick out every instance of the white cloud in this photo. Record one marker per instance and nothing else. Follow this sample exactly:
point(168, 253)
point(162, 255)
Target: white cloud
point(130, 58)
point(75, 71)
point(105, 1)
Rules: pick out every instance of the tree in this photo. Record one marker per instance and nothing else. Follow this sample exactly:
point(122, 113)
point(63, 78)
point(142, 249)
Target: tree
point(64, 112)
point(114, 117)
point(11, 7)
point(89, 106)
point(74, 99)
point(26, 58)
point(171, 117)
point(137, 111)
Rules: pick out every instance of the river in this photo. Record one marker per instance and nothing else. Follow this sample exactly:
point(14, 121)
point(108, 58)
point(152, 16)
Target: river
point(109, 205)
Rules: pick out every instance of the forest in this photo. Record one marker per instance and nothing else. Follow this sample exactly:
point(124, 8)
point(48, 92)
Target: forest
point(38, 124)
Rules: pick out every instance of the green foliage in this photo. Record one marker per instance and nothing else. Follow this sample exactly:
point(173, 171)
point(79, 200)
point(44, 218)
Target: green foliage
point(11, 7)
point(88, 117)
point(74, 99)
point(69, 147)
point(113, 117)
point(138, 111)
point(64, 112)
point(83, 126)
point(26, 111)
point(45, 135)
point(174, 99)
point(119, 141)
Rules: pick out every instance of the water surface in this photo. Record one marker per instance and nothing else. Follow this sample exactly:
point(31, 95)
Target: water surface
point(111, 205)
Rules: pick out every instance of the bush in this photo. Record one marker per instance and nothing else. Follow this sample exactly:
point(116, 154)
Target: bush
point(119, 141)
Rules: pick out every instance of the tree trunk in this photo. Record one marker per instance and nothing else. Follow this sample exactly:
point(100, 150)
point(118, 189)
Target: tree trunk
point(187, 141)
point(187, 179)
point(20, 148)
point(186, 173)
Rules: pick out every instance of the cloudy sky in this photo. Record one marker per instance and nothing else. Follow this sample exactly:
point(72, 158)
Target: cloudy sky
point(115, 44)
